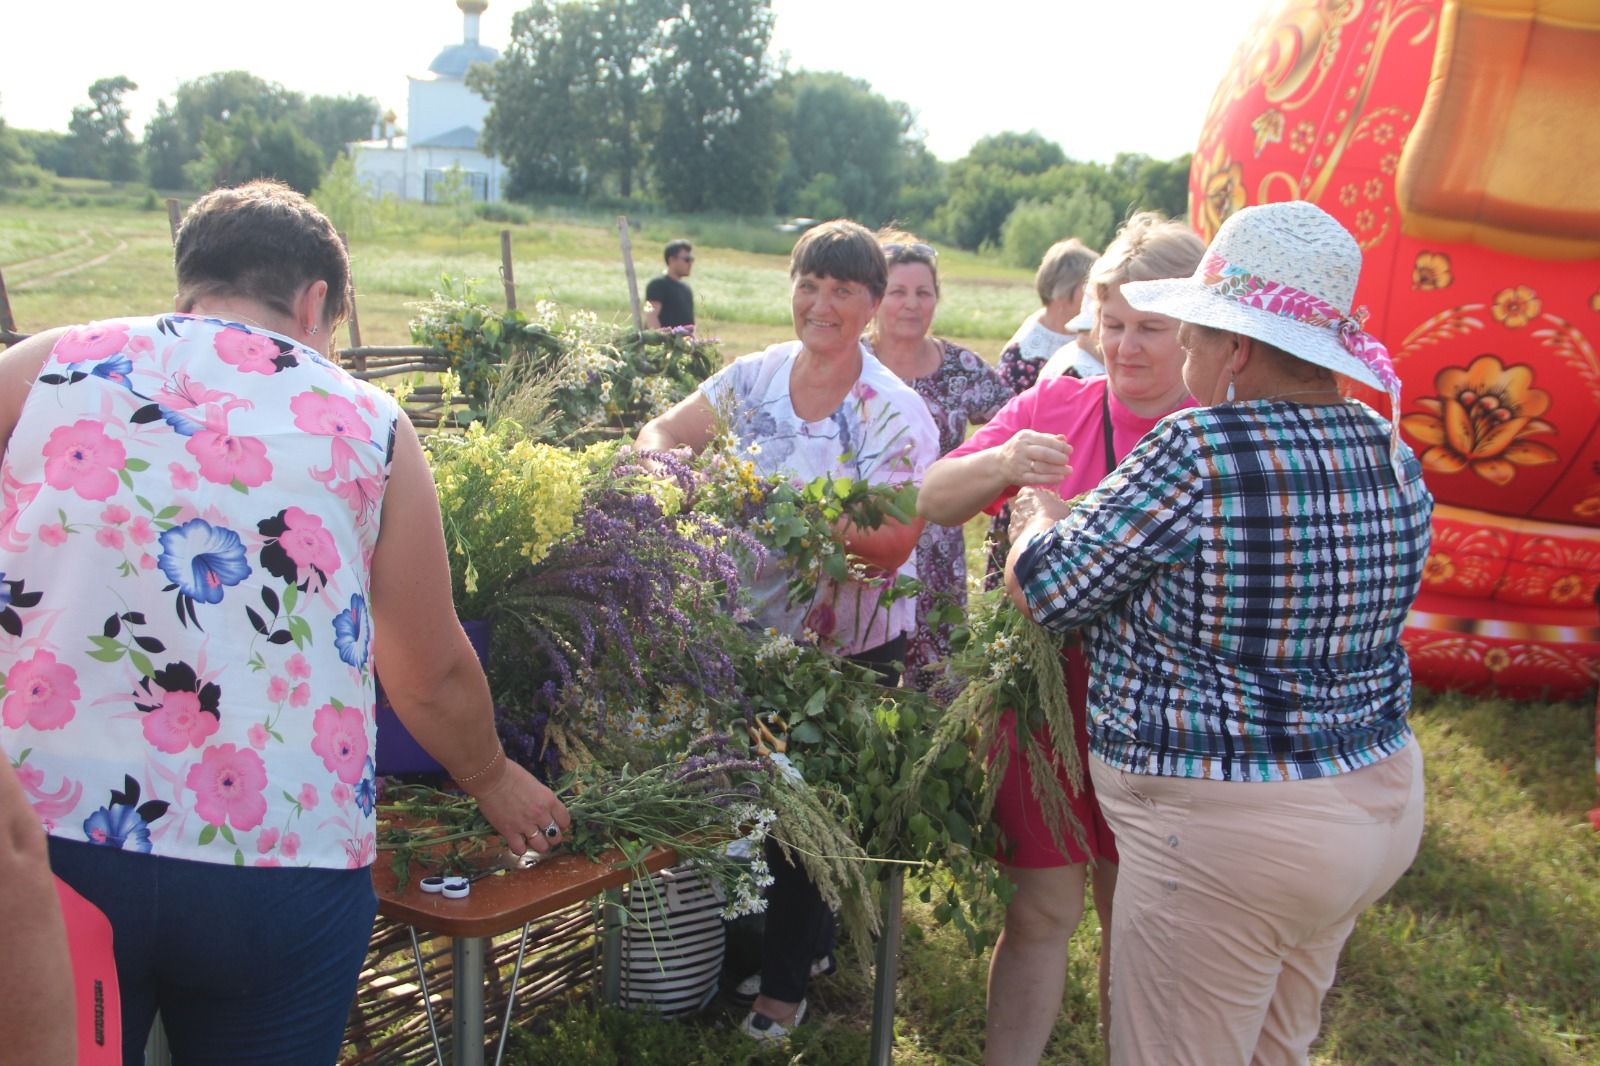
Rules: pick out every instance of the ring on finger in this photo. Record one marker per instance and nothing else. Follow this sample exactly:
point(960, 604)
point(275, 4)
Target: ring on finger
point(552, 831)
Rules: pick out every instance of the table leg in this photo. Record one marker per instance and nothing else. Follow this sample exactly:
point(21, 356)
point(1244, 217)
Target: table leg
point(611, 919)
point(467, 955)
point(427, 999)
point(888, 961)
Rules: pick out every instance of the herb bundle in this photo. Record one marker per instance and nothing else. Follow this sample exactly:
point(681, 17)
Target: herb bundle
point(1009, 663)
point(713, 795)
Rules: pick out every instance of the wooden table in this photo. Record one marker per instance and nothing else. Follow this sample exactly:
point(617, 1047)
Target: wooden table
point(499, 904)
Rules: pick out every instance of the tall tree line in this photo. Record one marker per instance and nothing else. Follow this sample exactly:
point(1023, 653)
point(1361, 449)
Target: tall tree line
point(221, 128)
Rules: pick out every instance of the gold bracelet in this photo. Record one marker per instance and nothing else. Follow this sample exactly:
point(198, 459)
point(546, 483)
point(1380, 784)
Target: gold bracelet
point(494, 760)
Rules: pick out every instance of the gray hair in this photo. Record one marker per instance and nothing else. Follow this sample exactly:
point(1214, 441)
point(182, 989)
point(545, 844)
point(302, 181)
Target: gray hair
point(1064, 267)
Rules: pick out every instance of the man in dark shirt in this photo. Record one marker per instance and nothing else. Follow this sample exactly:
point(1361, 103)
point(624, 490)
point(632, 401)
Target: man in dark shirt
point(668, 300)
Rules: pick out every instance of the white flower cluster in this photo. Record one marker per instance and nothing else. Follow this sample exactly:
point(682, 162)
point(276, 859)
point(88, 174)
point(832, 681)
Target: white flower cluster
point(756, 822)
point(1002, 655)
point(675, 712)
point(588, 359)
point(779, 646)
point(658, 392)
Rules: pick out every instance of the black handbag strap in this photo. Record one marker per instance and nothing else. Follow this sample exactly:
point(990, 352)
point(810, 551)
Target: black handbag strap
point(1105, 427)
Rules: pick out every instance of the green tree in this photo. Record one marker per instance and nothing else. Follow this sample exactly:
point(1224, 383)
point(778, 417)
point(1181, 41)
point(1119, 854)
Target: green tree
point(923, 186)
point(1021, 153)
point(981, 197)
point(98, 136)
point(13, 156)
point(986, 184)
point(1034, 225)
point(50, 150)
point(165, 151)
point(1162, 185)
point(536, 120)
point(848, 147)
point(173, 137)
point(332, 122)
point(719, 144)
point(245, 146)
point(571, 107)
point(627, 42)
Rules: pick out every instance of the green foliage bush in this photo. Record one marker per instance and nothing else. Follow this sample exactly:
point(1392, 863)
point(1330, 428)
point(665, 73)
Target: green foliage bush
point(347, 203)
point(504, 212)
point(1034, 225)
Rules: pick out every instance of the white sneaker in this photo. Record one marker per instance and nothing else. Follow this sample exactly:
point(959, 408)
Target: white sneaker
point(760, 1027)
point(747, 990)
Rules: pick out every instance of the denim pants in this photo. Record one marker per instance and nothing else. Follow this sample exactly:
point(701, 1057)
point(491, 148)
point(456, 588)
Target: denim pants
point(245, 964)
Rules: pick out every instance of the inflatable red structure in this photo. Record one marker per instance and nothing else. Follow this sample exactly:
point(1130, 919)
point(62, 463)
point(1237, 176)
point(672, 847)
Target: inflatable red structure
point(1459, 141)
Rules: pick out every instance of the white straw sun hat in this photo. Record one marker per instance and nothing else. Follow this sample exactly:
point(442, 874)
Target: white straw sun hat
point(1284, 274)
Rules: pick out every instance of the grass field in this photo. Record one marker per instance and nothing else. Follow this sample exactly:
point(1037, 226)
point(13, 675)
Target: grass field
point(1488, 951)
point(66, 264)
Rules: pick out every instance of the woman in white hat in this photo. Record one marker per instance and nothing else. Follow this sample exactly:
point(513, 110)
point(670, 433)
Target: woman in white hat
point(1241, 580)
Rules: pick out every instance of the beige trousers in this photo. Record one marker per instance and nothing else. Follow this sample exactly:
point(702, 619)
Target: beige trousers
point(1234, 899)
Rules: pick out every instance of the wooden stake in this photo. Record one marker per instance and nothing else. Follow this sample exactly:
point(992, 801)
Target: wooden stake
point(7, 323)
point(360, 362)
point(174, 217)
point(506, 274)
point(627, 266)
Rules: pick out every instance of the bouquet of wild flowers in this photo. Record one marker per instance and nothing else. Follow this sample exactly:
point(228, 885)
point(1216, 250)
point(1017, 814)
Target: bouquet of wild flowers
point(477, 339)
point(506, 503)
point(1009, 663)
point(713, 795)
point(608, 380)
point(799, 522)
point(620, 632)
point(914, 790)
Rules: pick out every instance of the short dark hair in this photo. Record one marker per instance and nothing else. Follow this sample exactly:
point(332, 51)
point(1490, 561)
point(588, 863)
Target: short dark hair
point(677, 247)
point(844, 250)
point(264, 241)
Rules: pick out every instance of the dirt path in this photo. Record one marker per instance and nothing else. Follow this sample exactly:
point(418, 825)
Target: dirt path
point(22, 266)
point(40, 279)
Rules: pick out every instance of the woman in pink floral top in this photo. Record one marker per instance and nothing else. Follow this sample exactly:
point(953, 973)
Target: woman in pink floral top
point(204, 524)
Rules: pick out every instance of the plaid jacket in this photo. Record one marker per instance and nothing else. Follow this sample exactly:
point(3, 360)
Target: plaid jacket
point(1241, 580)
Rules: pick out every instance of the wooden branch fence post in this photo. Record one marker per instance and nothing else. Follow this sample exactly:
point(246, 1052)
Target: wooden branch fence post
point(360, 358)
point(506, 274)
point(174, 217)
point(626, 240)
point(8, 325)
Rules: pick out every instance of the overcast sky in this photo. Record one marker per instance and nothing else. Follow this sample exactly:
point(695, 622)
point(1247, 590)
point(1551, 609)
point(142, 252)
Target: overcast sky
point(1098, 77)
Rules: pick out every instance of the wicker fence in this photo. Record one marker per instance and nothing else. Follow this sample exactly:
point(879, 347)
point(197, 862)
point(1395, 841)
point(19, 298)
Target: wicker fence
point(388, 1023)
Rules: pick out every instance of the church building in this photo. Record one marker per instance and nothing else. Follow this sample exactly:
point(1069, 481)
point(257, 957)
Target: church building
point(444, 120)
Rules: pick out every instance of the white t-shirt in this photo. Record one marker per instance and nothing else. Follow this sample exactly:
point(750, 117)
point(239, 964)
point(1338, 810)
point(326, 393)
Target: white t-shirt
point(881, 434)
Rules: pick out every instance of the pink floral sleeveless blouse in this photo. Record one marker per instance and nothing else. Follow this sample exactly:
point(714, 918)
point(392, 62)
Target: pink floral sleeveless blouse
point(188, 512)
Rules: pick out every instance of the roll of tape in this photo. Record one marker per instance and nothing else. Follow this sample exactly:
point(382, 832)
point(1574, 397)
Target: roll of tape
point(432, 884)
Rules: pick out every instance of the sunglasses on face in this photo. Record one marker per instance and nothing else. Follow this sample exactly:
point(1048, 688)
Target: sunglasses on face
point(928, 251)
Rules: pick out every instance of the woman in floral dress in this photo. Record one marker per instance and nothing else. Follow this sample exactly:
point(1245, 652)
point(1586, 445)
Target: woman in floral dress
point(204, 525)
point(959, 389)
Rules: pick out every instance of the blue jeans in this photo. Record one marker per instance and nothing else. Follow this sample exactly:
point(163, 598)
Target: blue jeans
point(245, 964)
